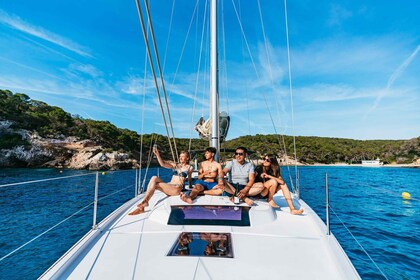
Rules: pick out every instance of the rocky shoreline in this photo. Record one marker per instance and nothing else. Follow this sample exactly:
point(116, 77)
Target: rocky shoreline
point(69, 152)
point(60, 152)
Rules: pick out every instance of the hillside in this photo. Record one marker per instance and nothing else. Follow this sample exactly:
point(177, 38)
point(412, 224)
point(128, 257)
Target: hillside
point(55, 137)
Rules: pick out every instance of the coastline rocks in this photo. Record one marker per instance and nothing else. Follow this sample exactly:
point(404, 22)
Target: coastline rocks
point(19, 156)
point(60, 152)
point(94, 159)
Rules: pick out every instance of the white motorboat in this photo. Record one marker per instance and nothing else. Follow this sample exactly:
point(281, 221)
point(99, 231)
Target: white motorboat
point(372, 163)
point(170, 240)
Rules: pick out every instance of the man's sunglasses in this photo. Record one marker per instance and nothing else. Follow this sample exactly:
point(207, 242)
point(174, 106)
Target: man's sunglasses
point(239, 154)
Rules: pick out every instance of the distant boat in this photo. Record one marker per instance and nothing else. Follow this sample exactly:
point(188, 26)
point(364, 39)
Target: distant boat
point(372, 163)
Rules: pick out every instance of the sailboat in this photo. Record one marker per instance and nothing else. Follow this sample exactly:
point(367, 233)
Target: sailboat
point(170, 240)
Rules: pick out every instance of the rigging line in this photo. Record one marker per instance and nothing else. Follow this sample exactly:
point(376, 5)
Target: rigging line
point(169, 34)
point(44, 180)
point(142, 112)
point(154, 75)
point(51, 228)
point(367, 254)
point(206, 67)
point(198, 75)
point(149, 18)
point(256, 73)
point(111, 194)
point(243, 60)
point(280, 139)
point(266, 45)
point(185, 42)
point(291, 91)
point(43, 233)
point(246, 41)
point(149, 159)
point(224, 57)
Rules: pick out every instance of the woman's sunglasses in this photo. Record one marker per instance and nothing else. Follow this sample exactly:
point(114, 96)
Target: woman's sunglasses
point(267, 160)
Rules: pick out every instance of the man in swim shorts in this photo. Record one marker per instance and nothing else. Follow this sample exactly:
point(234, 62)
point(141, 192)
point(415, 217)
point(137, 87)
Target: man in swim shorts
point(209, 176)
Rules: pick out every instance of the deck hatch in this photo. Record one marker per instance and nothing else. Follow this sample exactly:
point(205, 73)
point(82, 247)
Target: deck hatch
point(203, 244)
point(209, 215)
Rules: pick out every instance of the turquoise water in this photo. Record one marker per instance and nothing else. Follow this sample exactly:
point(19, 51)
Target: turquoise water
point(367, 200)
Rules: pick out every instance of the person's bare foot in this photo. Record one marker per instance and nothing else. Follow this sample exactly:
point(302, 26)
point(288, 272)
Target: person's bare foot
point(248, 201)
point(273, 204)
point(143, 204)
point(186, 198)
point(296, 212)
point(137, 211)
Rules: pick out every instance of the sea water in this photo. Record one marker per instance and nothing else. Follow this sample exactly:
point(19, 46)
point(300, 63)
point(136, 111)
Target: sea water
point(366, 200)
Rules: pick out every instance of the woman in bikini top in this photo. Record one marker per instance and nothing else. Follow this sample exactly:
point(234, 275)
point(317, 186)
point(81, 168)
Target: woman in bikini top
point(182, 172)
point(180, 175)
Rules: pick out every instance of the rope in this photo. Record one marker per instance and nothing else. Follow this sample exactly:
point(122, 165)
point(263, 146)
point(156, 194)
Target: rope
point(258, 77)
point(44, 180)
point(246, 88)
point(197, 77)
point(169, 34)
point(59, 223)
point(154, 75)
point(149, 18)
point(367, 254)
point(246, 41)
point(142, 113)
point(281, 138)
point(149, 159)
point(185, 42)
point(291, 91)
point(43, 233)
point(224, 57)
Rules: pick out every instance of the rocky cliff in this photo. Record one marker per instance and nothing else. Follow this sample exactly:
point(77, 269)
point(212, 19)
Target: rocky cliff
point(60, 152)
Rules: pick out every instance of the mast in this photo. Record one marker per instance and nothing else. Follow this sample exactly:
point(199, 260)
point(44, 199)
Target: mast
point(214, 80)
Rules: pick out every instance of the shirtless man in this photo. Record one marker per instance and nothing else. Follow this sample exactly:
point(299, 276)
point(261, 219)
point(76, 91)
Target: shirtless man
point(181, 173)
point(209, 172)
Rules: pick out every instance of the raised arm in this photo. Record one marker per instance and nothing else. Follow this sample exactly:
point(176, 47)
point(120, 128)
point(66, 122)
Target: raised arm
point(160, 160)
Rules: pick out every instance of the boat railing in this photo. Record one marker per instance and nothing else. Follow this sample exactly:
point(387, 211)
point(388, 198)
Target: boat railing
point(358, 243)
point(328, 232)
point(95, 201)
point(327, 205)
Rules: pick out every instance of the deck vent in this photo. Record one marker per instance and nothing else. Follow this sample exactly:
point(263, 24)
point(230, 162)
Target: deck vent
point(203, 244)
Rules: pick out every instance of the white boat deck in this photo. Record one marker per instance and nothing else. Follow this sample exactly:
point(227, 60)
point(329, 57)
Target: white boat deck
point(276, 245)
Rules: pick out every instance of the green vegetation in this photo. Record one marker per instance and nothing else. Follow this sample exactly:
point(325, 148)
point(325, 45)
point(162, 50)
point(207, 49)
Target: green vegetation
point(332, 150)
point(51, 121)
point(11, 140)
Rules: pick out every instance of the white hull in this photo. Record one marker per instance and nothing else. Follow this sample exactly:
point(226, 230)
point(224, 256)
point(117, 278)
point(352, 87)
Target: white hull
point(372, 163)
point(276, 245)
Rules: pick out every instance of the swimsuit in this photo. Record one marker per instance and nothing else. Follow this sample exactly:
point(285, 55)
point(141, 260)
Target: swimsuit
point(206, 185)
point(180, 174)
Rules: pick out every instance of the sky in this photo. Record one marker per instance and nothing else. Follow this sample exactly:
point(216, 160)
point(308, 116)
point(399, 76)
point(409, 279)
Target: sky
point(354, 65)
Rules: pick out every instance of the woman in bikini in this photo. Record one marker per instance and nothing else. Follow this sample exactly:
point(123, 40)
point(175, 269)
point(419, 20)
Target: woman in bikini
point(268, 175)
point(181, 173)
